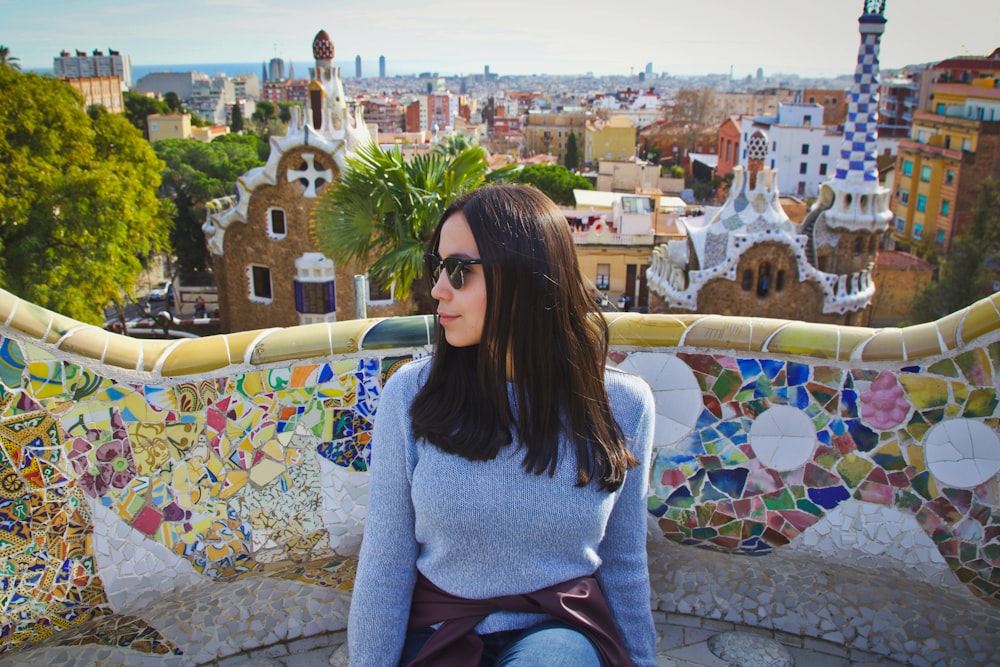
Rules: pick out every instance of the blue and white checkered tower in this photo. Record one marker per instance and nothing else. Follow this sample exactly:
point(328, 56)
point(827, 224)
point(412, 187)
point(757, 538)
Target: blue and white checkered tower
point(860, 203)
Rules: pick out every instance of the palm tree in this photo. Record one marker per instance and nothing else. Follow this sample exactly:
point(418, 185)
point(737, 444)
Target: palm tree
point(7, 60)
point(385, 208)
point(453, 144)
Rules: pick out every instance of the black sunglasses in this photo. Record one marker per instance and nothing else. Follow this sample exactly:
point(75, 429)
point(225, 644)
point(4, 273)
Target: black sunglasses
point(454, 268)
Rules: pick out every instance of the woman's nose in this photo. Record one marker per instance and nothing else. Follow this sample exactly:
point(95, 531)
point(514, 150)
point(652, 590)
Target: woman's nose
point(441, 289)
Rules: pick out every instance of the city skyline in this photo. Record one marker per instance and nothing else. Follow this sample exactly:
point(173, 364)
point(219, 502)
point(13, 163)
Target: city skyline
point(809, 39)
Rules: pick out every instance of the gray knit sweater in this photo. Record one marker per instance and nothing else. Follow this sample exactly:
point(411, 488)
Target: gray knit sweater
point(480, 529)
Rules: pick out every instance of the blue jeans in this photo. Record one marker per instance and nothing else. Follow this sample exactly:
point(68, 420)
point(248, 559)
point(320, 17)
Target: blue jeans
point(551, 644)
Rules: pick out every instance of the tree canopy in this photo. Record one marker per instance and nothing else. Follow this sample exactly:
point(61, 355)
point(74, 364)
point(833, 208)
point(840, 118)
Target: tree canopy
point(138, 106)
point(195, 173)
point(572, 159)
point(972, 265)
point(556, 181)
point(78, 199)
point(383, 211)
point(7, 60)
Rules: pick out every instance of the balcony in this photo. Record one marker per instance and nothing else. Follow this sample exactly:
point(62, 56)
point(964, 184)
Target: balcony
point(177, 502)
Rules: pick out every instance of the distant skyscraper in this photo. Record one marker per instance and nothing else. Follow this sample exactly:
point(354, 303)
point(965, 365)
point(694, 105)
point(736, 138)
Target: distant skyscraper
point(276, 70)
point(381, 67)
point(649, 69)
point(357, 66)
point(760, 74)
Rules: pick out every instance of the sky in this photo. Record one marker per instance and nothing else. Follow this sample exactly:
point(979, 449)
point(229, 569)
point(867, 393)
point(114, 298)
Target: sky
point(806, 37)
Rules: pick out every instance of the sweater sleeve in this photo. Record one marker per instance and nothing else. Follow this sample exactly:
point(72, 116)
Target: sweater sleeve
point(383, 585)
point(624, 573)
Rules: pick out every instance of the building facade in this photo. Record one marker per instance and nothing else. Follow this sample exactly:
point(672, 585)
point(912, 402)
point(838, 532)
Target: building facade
point(268, 268)
point(951, 149)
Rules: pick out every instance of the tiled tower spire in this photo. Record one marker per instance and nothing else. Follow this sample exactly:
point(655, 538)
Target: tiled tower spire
point(858, 150)
point(854, 200)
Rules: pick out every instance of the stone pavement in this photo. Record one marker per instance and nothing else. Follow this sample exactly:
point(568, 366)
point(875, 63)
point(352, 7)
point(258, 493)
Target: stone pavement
point(821, 615)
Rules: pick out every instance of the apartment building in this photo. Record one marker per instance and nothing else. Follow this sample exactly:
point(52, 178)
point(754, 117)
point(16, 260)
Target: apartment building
point(105, 91)
point(729, 146)
point(548, 133)
point(834, 103)
point(801, 148)
point(99, 78)
point(433, 112)
point(951, 149)
point(168, 126)
point(614, 139)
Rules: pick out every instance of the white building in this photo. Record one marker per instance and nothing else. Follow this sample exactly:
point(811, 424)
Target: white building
point(802, 150)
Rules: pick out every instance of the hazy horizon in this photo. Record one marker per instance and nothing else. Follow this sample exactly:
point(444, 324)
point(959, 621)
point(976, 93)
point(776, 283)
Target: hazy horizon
point(815, 39)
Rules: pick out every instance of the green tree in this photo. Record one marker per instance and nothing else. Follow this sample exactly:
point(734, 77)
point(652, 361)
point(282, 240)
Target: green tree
point(7, 60)
point(236, 125)
point(138, 106)
point(194, 174)
point(572, 160)
point(384, 209)
point(556, 181)
point(970, 269)
point(78, 199)
point(285, 111)
point(173, 101)
point(264, 112)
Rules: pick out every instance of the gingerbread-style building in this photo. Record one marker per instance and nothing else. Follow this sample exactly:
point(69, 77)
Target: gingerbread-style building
point(268, 269)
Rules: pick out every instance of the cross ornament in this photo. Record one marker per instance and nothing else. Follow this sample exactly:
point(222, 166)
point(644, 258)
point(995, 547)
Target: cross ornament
point(311, 174)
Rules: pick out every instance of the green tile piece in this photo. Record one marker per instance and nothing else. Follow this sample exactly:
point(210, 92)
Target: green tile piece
point(981, 403)
point(726, 386)
point(922, 484)
point(779, 500)
point(809, 507)
point(853, 469)
point(945, 367)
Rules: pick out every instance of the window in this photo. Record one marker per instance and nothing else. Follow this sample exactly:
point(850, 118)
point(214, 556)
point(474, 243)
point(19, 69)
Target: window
point(801, 189)
point(925, 173)
point(807, 121)
point(805, 149)
point(945, 207)
point(939, 108)
point(822, 169)
point(966, 144)
point(900, 225)
point(747, 280)
point(949, 177)
point(260, 284)
point(940, 237)
point(918, 231)
point(825, 150)
point(803, 167)
point(904, 197)
point(921, 202)
point(603, 281)
point(907, 167)
point(636, 205)
point(315, 298)
point(379, 292)
point(922, 137)
point(276, 227)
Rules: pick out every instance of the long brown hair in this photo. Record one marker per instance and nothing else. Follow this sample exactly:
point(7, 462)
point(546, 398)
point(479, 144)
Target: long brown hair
point(542, 331)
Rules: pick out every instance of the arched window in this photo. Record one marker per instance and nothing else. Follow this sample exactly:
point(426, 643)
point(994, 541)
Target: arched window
point(779, 281)
point(857, 246)
point(747, 280)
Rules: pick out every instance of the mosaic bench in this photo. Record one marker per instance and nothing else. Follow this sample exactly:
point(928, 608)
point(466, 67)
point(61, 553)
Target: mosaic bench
point(170, 502)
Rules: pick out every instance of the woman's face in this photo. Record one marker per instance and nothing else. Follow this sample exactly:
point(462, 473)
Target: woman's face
point(461, 312)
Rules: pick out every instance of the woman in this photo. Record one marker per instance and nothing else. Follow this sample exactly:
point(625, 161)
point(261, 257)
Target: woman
point(509, 470)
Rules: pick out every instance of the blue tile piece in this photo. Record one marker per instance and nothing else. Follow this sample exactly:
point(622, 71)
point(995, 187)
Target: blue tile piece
point(865, 438)
point(849, 403)
point(797, 374)
point(829, 497)
point(730, 481)
point(771, 367)
point(749, 368)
